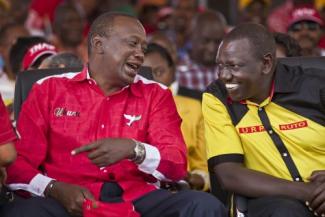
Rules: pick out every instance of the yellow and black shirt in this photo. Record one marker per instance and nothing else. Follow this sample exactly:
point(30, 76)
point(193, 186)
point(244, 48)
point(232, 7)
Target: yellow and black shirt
point(284, 136)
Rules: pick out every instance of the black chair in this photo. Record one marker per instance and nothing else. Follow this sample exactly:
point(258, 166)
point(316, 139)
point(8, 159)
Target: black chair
point(26, 79)
point(239, 204)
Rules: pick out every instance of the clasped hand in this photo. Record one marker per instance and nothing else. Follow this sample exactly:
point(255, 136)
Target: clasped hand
point(316, 201)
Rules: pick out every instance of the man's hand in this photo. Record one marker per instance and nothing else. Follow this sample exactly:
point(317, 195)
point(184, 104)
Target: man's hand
point(317, 176)
point(108, 151)
point(70, 196)
point(196, 181)
point(317, 197)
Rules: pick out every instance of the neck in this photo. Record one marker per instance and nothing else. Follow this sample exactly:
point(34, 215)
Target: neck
point(105, 84)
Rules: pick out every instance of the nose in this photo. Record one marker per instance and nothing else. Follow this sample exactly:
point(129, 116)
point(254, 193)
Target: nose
point(224, 73)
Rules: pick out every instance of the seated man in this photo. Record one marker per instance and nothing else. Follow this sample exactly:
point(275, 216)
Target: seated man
point(7, 137)
point(264, 125)
point(163, 70)
point(104, 134)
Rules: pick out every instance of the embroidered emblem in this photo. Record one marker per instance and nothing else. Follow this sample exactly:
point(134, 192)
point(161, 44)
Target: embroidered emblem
point(132, 118)
point(60, 112)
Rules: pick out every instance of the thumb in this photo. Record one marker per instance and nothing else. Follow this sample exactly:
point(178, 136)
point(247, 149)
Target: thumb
point(88, 195)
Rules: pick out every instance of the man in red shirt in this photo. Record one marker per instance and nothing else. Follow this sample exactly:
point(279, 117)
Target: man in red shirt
point(7, 138)
point(103, 134)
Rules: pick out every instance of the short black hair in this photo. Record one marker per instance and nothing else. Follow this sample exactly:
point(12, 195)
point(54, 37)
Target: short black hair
point(103, 25)
point(19, 49)
point(155, 48)
point(260, 39)
point(69, 60)
point(290, 45)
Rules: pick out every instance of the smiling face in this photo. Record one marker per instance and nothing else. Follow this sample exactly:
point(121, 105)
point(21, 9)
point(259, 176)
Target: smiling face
point(244, 75)
point(121, 52)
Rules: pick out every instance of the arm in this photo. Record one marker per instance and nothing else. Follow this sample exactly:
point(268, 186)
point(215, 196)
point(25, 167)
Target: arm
point(166, 150)
point(234, 177)
point(7, 137)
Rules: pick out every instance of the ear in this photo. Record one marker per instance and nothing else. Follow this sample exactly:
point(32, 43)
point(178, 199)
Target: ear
point(268, 63)
point(97, 44)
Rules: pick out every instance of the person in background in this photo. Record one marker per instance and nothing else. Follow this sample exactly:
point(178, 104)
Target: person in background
point(264, 127)
point(163, 70)
point(305, 25)
point(29, 52)
point(8, 36)
point(7, 140)
point(198, 68)
point(286, 46)
point(104, 135)
point(61, 60)
point(68, 27)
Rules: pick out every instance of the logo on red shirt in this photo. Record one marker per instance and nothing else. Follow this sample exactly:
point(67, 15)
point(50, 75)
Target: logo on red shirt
point(60, 112)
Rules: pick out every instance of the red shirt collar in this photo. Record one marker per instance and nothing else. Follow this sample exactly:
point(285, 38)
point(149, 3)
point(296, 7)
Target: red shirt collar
point(84, 76)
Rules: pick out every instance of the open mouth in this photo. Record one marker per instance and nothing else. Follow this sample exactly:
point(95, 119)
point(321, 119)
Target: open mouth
point(231, 86)
point(133, 68)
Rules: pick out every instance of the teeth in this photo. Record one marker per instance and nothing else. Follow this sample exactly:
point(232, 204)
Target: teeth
point(133, 66)
point(231, 86)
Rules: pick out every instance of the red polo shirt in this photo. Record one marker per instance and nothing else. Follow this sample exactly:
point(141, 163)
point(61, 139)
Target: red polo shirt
point(6, 130)
point(70, 110)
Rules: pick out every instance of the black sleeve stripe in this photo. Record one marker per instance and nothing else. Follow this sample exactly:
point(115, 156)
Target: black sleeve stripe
point(237, 158)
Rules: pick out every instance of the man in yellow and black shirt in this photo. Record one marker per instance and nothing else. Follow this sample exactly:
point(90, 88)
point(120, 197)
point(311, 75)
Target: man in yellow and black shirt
point(264, 126)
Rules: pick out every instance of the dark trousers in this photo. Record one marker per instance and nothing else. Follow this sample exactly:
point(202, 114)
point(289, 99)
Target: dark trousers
point(277, 207)
point(159, 203)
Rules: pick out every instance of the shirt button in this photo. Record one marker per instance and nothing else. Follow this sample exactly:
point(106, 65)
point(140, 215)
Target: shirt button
point(89, 82)
point(270, 131)
point(107, 98)
point(105, 171)
point(260, 109)
point(102, 126)
point(284, 154)
point(111, 176)
point(297, 179)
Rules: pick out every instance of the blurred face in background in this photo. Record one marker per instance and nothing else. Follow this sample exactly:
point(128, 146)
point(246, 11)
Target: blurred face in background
point(307, 33)
point(68, 26)
point(205, 43)
point(161, 71)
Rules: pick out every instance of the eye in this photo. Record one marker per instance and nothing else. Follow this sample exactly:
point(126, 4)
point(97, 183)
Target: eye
point(133, 43)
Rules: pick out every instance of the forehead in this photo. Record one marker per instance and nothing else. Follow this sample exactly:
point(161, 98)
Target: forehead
point(128, 27)
point(239, 49)
point(209, 29)
point(155, 59)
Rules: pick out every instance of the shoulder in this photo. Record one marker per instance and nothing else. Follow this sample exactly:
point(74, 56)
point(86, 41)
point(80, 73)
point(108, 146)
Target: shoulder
point(59, 78)
point(149, 89)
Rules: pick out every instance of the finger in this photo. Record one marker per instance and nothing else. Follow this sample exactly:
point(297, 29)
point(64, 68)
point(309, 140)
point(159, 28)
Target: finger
point(321, 209)
point(88, 195)
point(96, 153)
point(318, 197)
point(84, 148)
point(317, 174)
point(102, 161)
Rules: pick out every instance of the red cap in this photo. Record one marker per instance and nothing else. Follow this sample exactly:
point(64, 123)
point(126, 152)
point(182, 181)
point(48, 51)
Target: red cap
point(305, 14)
point(35, 52)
